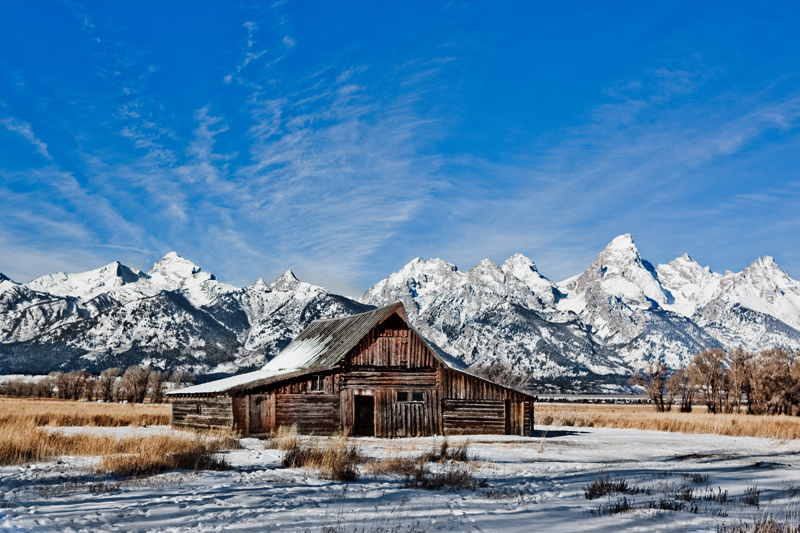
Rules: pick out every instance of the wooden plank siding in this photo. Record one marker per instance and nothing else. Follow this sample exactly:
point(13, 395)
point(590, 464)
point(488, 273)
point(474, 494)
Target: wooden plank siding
point(392, 344)
point(317, 414)
point(517, 416)
point(474, 417)
point(203, 412)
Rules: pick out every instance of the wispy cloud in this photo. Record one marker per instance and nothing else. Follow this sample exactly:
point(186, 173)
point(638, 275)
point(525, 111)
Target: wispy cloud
point(627, 170)
point(25, 130)
point(343, 164)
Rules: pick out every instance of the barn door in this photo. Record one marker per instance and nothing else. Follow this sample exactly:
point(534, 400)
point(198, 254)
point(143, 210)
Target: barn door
point(364, 416)
point(515, 416)
point(257, 402)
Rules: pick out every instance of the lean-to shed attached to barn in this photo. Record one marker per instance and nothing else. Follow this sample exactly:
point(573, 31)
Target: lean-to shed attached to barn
point(369, 374)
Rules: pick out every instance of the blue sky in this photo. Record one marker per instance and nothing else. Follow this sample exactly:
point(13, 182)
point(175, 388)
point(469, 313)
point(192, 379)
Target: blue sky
point(343, 139)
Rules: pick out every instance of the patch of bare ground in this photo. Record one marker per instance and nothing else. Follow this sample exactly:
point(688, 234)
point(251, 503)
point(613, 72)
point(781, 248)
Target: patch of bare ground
point(781, 427)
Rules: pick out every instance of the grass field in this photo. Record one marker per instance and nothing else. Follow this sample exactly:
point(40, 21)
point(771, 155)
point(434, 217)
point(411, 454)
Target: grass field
point(69, 413)
point(644, 417)
point(26, 436)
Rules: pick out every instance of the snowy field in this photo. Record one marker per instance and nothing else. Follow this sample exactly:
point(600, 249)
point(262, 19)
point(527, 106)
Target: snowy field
point(532, 484)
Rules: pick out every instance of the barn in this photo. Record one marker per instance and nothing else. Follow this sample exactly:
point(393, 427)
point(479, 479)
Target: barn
point(369, 374)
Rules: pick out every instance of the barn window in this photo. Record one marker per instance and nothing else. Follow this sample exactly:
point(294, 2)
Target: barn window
point(416, 396)
point(318, 383)
point(199, 409)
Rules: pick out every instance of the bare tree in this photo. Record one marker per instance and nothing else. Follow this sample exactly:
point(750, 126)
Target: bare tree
point(61, 384)
point(45, 387)
point(780, 390)
point(156, 381)
point(680, 386)
point(794, 374)
point(653, 378)
point(181, 378)
point(76, 383)
point(134, 381)
point(106, 385)
point(740, 365)
point(707, 370)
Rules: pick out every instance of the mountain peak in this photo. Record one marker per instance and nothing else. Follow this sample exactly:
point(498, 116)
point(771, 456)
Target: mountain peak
point(620, 271)
point(419, 263)
point(767, 263)
point(172, 265)
point(3, 277)
point(288, 281)
point(520, 266)
point(622, 243)
point(289, 276)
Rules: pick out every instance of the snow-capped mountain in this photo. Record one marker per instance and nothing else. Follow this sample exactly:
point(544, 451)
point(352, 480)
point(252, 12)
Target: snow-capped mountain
point(593, 328)
point(174, 315)
point(602, 323)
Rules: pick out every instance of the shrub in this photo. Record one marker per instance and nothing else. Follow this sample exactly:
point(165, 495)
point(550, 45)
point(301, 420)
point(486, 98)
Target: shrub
point(402, 466)
point(452, 478)
point(336, 459)
point(444, 452)
point(603, 485)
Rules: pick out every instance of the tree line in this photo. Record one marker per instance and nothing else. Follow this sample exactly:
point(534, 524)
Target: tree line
point(727, 382)
point(135, 384)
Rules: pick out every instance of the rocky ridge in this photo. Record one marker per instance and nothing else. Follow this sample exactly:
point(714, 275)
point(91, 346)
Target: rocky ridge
point(592, 328)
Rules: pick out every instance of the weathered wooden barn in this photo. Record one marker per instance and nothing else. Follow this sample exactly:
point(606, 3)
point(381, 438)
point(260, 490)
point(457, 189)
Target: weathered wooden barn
point(369, 374)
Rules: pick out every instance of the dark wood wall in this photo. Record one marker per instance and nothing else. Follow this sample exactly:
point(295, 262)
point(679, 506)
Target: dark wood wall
point(393, 418)
point(472, 405)
point(311, 413)
point(474, 417)
point(392, 344)
point(202, 412)
point(293, 401)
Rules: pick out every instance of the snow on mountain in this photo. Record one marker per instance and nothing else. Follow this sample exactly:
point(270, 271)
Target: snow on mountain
point(86, 285)
point(519, 268)
point(174, 273)
point(609, 319)
point(494, 314)
point(592, 328)
point(691, 285)
point(175, 315)
point(618, 271)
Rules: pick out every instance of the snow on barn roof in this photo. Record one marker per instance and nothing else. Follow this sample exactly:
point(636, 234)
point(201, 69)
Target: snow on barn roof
point(321, 345)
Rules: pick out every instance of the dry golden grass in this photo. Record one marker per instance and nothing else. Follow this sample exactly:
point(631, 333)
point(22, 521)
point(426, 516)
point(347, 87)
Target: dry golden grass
point(335, 458)
point(284, 438)
point(23, 440)
point(644, 417)
point(162, 455)
point(403, 466)
point(69, 413)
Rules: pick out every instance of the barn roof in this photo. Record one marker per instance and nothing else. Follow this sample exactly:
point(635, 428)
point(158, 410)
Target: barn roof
point(320, 346)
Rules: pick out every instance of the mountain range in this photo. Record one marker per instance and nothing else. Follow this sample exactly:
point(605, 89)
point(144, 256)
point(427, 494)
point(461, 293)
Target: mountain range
point(587, 332)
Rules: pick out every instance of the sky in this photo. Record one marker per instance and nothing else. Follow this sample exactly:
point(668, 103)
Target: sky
point(343, 139)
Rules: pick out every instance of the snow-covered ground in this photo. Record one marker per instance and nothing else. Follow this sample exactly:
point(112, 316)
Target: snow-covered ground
point(533, 484)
